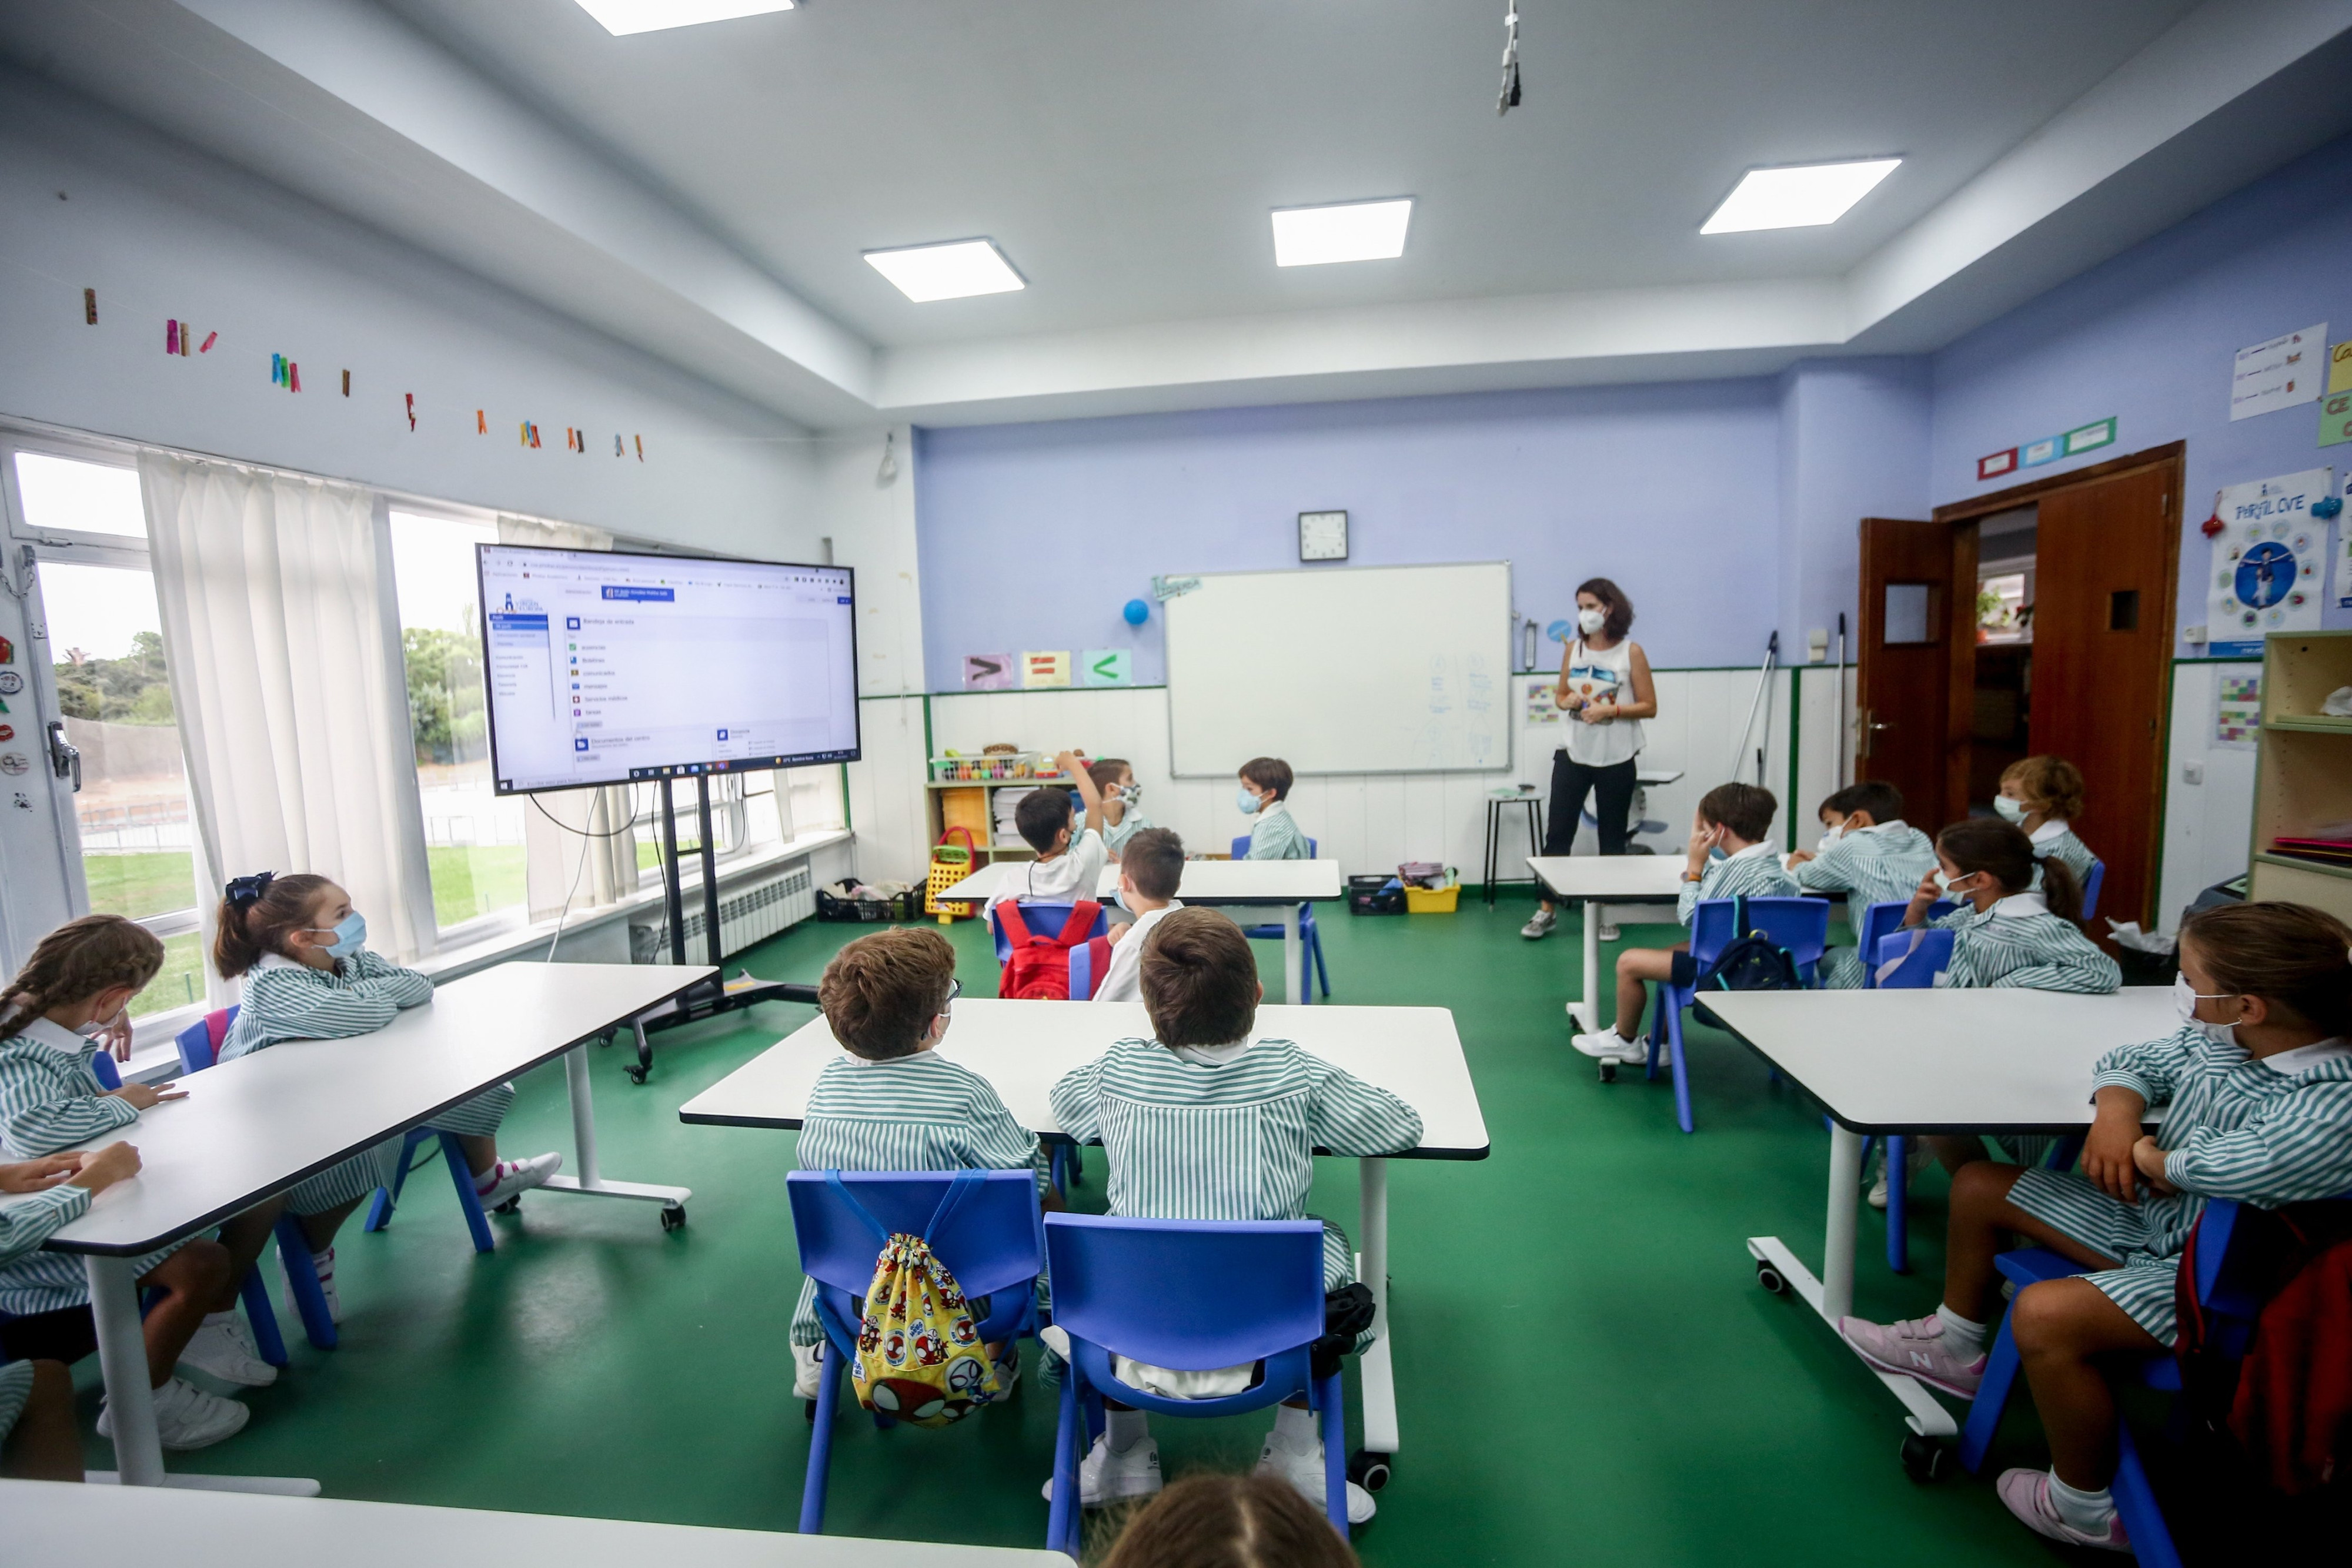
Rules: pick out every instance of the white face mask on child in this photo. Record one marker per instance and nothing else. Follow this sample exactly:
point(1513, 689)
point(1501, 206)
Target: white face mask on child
point(1591, 621)
point(2185, 998)
point(2012, 811)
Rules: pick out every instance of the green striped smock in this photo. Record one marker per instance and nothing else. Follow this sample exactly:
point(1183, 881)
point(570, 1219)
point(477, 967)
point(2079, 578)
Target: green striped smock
point(1752, 873)
point(1878, 864)
point(2018, 943)
point(918, 1113)
point(1228, 1131)
point(24, 1223)
point(1130, 822)
point(286, 1000)
point(2266, 1131)
point(2055, 840)
point(1275, 835)
point(50, 1100)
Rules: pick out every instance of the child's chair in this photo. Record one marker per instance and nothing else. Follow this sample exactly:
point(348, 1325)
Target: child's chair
point(252, 1293)
point(1880, 921)
point(1310, 937)
point(2224, 1291)
point(1193, 1295)
point(2090, 886)
point(1799, 925)
point(984, 1225)
point(1918, 955)
point(1047, 920)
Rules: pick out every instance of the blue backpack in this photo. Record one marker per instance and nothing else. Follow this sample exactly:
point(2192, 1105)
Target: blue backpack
point(1751, 961)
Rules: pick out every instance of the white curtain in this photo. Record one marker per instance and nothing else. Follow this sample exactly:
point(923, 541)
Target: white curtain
point(565, 867)
point(283, 638)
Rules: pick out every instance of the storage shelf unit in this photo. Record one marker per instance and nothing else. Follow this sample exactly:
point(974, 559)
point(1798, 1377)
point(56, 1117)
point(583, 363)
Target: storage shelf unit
point(2302, 782)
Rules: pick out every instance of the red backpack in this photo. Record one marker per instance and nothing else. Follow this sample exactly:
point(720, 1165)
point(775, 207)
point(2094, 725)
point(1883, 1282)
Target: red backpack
point(1053, 968)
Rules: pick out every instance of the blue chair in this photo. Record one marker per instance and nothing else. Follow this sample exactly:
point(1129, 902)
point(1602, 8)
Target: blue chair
point(1799, 925)
point(984, 1225)
point(2090, 886)
point(1187, 1293)
point(1310, 937)
point(252, 1293)
point(461, 1176)
point(1921, 954)
point(2222, 1290)
point(1047, 920)
point(1880, 921)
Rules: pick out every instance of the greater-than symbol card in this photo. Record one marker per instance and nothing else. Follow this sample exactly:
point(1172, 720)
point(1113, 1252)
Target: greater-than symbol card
point(1107, 667)
point(987, 672)
point(1041, 670)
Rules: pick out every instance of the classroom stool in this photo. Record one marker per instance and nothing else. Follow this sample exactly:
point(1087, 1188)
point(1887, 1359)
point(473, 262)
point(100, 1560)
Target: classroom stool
point(1496, 807)
point(1310, 937)
point(1801, 925)
point(984, 1225)
point(1187, 1292)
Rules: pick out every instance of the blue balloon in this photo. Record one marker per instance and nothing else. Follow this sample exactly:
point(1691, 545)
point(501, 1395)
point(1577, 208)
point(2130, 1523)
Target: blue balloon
point(1137, 612)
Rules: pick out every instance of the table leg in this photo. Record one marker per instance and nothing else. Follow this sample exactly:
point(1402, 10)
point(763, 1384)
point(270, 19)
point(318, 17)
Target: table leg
point(587, 1180)
point(122, 1357)
point(1845, 1200)
point(1377, 1368)
point(1588, 1011)
point(1293, 982)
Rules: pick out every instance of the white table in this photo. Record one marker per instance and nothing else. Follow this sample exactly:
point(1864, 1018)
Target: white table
point(49, 1522)
point(1281, 885)
point(1024, 1047)
point(1596, 882)
point(252, 1127)
point(1916, 1061)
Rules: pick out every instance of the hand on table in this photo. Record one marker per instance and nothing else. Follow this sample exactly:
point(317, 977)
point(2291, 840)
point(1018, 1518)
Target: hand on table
point(142, 1098)
point(1797, 858)
point(101, 1168)
point(39, 1176)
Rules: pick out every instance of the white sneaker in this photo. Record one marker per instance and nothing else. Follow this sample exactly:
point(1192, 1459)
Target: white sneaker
point(1105, 1477)
point(324, 1262)
point(226, 1350)
point(1608, 1045)
point(1303, 1469)
point(511, 1178)
point(187, 1416)
point(808, 1370)
point(1915, 1347)
point(1539, 924)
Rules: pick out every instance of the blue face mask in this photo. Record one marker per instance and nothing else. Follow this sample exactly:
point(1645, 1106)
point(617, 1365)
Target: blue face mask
point(1246, 802)
point(350, 935)
point(1716, 852)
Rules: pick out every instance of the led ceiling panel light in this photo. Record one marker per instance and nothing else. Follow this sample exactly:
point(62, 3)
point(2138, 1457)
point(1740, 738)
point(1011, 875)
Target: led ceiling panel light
point(956, 269)
point(1798, 198)
point(1351, 231)
point(621, 17)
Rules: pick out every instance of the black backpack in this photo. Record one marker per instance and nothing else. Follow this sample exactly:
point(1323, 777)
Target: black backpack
point(1749, 962)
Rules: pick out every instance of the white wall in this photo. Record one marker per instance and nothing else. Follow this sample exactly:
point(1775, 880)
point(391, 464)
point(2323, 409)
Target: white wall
point(2208, 825)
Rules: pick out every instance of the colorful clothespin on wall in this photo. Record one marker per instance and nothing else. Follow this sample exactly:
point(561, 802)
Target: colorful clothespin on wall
point(277, 369)
point(481, 422)
point(90, 306)
point(641, 448)
point(171, 337)
point(187, 339)
point(347, 383)
point(410, 398)
point(210, 339)
point(616, 444)
point(293, 376)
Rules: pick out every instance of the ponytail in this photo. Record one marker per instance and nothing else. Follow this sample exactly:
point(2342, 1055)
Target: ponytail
point(77, 961)
point(257, 913)
point(2060, 891)
point(2003, 852)
point(2294, 956)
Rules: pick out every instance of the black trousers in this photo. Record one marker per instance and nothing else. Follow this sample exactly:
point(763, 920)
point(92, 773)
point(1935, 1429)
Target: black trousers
point(1612, 791)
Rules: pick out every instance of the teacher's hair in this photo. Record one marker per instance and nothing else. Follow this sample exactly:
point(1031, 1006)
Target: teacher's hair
point(1620, 619)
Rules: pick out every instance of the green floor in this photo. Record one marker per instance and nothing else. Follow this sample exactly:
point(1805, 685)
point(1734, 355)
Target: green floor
point(1587, 1370)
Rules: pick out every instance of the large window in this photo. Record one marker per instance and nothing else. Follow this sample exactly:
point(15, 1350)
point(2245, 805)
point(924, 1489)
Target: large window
point(473, 837)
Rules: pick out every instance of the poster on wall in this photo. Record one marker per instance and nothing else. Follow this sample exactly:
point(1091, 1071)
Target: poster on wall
point(2278, 375)
point(2238, 709)
point(2267, 561)
point(1541, 709)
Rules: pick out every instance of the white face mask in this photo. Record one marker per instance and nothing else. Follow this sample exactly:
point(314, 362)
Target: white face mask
point(2185, 998)
point(1591, 621)
point(1832, 834)
point(97, 1026)
point(2011, 811)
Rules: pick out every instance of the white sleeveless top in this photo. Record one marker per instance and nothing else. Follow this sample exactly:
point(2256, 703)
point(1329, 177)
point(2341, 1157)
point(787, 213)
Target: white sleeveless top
point(1602, 675)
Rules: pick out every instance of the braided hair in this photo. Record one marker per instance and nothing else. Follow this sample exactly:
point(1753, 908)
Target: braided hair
point(77, 961)
point(257, 915)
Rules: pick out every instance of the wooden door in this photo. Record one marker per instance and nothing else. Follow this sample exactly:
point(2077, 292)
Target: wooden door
point(1904, 678)
point(2105, 564)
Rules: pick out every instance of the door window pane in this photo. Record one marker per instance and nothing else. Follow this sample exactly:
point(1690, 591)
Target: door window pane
point(137, 844)
point(1909, 607)
point(83, 498)
point(473, 837)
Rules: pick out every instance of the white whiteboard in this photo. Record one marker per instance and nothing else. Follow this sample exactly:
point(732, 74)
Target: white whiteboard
point(1368, 669)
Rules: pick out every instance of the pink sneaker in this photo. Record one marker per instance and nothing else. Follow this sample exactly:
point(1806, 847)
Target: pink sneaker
point(2027, 1493)
point(1915, 1348)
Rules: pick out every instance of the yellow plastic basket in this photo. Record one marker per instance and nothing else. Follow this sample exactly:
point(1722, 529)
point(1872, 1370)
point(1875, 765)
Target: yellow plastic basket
point(1432, 900)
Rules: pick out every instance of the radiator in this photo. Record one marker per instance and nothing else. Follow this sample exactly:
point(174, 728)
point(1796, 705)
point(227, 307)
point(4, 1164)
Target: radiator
point(747, 914)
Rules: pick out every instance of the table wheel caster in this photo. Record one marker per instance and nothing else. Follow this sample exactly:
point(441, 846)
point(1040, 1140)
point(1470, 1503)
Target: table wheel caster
point(511, 1206)
point(1925, 1458)
point(1367, 1469)
point(1772, 1280)
point(1608, 1071)
point(673, 1218)
point(636, 1075)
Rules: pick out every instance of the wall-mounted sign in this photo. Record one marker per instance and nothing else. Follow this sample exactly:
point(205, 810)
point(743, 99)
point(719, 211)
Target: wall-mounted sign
point(1994, 464)
point(2277, 374)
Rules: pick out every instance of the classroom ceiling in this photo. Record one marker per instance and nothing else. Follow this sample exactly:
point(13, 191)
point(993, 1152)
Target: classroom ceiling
point(706, 192)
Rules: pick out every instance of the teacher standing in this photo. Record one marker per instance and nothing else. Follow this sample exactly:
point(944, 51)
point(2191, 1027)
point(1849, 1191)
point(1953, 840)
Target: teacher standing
point(1605, 688)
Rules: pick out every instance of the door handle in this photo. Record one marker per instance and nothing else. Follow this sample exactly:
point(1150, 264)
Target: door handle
point(65, 758)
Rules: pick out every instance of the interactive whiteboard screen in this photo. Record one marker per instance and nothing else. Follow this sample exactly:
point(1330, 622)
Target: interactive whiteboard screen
point(603, 667)
point(1385, 669)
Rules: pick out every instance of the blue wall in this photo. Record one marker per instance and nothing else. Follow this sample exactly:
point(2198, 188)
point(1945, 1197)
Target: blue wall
point(1034, 536)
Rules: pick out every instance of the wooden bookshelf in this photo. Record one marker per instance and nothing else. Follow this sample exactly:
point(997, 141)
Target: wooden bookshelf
point(2302, 778)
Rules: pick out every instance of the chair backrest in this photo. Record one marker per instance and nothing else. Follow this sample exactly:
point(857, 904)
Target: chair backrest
point(993, 1239)
point(1920, 963)
point(1187, 1293)
point(102, 1068)
point(1241, 848)
point(2090, 886)
point(1882, 920)
point(200, 1042)
point(1043, 920)
point(1799, 925)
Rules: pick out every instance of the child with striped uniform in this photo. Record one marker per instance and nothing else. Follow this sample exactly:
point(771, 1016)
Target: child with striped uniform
point(1264, 798)
point(1207, 1121)
point(37, 1440)
point(1070, 853)
point(79, 981)
point(1728, 857)
point(2043, 795)
point(1867, 852)
point(2006, 933)
point(1114, 780)
point(891, 1102)
point(310, 976)
point(2257, 1087)
point(1147, 876)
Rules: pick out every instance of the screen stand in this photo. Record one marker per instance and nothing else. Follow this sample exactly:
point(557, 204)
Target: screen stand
point(717, 996)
